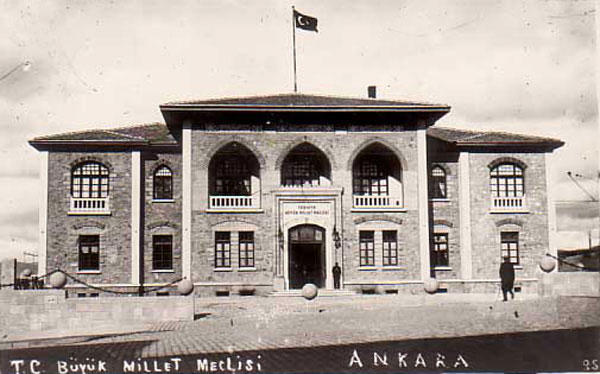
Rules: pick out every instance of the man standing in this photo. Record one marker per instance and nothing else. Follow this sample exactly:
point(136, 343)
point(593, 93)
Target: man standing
point(337, 272)
point(507, 278)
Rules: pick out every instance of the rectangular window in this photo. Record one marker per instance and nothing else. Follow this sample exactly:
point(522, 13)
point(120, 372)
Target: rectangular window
point(367, 248)
point(440, 250)
point(89, 252)
point(509, 241)
point(246, 249)
point(222, 249)
point(162, 252)
point(390, 248)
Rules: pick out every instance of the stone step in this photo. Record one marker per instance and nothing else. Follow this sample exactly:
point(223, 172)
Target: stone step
point(322, 293)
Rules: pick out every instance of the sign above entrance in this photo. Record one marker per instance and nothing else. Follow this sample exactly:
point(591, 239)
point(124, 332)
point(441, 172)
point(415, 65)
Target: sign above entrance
point(306, 209)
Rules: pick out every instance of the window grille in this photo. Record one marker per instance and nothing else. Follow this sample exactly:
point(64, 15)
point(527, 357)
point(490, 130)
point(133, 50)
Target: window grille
point(89, 252)
point(232, 177)
point(506, 180)
point(246, 255)
point(222, 249)
point(440, 250)
point(438, 183)
point(509, 242)
point(390, 248)
point(367, 248)
point(89, 180)
point(163, 184)
point(162, 252)
point(370, 178)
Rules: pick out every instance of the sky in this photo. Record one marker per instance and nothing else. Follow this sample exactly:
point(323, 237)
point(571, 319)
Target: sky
point(522, 66)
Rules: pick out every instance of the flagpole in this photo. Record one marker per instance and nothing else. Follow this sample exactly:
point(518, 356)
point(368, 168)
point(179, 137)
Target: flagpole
point(294, 44)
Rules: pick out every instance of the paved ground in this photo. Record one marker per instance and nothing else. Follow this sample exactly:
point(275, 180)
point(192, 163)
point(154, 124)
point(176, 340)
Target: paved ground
point(255, 324)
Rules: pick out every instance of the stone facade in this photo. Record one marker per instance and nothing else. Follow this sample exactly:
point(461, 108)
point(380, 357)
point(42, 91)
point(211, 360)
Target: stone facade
point(274, 210)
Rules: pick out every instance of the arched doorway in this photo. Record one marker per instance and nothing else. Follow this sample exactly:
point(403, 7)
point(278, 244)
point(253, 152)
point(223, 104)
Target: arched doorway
point(306, 256)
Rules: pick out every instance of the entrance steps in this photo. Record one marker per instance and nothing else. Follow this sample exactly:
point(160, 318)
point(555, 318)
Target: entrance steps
point(322, 293)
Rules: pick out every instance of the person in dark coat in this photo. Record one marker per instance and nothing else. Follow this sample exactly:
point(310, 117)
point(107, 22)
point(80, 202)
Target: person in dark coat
point(337, 273)
point(507, 278)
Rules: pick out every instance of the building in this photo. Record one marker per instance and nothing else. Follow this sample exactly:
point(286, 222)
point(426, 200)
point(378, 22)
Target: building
point(266, 193)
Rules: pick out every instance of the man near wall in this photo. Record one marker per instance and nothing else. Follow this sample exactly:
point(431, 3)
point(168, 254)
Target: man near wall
point(507, 278)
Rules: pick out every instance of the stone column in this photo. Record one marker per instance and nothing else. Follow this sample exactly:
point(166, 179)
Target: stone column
point(423, 192)
point(43, 215)
point(464, 199)
point(136, 186)
point(552, 246)
point(186, 240)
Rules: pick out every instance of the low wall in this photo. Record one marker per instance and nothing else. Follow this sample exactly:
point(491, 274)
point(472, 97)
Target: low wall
point(44, 310)
point(571, 284)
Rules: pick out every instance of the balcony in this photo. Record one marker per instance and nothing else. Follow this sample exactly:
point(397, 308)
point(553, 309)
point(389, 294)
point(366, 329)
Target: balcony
point(509, 205)
point(377, 203)
point(234, 203)
point(89, 205)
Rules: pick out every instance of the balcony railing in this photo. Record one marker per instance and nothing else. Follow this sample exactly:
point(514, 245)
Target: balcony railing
point(377, 202)
point(89, 205)
point(509, 204)
point(234, 202)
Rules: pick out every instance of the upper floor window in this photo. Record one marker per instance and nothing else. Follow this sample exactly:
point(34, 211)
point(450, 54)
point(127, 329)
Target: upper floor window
point(305, 165)
point(506, 180)
point(438, 183)
point(89, 180)
point(509, 243)
point(377, 179)
point(89, 252)
point(163, 184)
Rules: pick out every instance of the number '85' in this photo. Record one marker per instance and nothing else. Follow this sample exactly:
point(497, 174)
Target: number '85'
point(591, 365)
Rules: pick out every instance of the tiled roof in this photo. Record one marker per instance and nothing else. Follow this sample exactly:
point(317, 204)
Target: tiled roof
point(301, 100)
point(152, 133)
point(474, 138)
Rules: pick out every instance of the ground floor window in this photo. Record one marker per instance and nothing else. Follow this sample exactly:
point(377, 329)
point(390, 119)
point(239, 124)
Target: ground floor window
point(89, 252)
point(390, 248)
point(222, 249)
point(246, 243)
point(509, 242)
point(367, 248)
point(440, 250)
point(162, 252)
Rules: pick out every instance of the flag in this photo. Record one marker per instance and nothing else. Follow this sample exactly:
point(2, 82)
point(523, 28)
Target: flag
point(305, 22)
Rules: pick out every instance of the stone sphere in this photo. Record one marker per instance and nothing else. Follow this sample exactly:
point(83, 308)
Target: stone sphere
point(185, 287)
point(58, 280)
point(431, 286)
point(379, 290)
point(547, 264)
point(26, 273)
point(310, 291)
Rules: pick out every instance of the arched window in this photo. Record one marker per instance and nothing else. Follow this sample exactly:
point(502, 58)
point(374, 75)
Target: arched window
point(89, 180)
point(163, 184)
point(438, 183)
point(232, 177)
point(506, 180)
point(305, 165)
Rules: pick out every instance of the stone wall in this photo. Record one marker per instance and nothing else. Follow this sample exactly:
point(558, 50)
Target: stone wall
point(487, 225)
point(114, 229)
point(44, 310)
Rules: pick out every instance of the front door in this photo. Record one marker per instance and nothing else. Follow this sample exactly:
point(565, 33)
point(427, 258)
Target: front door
point(306, 256)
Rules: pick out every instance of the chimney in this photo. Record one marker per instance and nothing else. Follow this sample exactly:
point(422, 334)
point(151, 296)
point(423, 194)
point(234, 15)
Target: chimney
point(372, 92)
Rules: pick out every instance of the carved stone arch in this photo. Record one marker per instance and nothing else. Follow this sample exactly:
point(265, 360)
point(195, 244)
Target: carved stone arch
point(89, 224)
point(443, 222)
point(90, 158)
point(377, 217)
point(444, 167)
point(509, 221)
point(229, 140)
point(159, 164)
point(158, 224)
point(507, 160)
point(294, 144)
point(375, 140)
point(234, 220)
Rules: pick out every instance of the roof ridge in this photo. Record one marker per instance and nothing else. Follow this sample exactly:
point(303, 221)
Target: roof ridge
point(109, 130)
point(123, 135)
